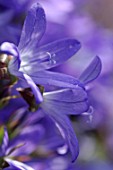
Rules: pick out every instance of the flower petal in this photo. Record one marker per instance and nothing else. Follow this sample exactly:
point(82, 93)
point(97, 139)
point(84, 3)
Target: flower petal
point(92, 71)
point(54, 78)
point(18, 165)
point(70, 101)
point(5, 142)
point(49, 55)
point(64, 125)
point(9, 49)
point(67, 95)
point(52, 140)
point(33, 29)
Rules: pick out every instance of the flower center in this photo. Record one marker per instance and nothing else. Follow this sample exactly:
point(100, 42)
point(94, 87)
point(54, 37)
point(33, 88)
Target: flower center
point(3, 164)
point(4, 61)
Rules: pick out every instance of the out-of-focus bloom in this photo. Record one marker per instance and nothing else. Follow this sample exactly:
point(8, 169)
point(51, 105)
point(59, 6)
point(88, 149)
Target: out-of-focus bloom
point(6, 25)
point(93, 165)
point(17, 7)
point(11, 18)
point(5, 160)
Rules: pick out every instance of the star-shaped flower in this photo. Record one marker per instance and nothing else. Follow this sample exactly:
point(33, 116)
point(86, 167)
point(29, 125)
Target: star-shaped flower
point(30, 63)
point(33, 60)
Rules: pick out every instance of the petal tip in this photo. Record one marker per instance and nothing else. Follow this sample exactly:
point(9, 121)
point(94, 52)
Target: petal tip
point(75, 44)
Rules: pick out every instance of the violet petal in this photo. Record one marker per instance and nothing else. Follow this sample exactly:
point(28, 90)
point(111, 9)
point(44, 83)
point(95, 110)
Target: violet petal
point(63, 123)
point(5, 142)
point(34, 27)
point(9, 48)
point(70, 101)
point(48, 56)
point(54, 78)
point(18, 165)
point(92, 71)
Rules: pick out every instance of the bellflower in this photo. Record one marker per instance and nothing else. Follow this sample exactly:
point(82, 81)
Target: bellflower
point(34, 61)
point(30, 63)
point(71, 101)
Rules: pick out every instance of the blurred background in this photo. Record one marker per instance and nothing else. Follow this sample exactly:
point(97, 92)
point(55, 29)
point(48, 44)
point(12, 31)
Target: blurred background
point(90, 22)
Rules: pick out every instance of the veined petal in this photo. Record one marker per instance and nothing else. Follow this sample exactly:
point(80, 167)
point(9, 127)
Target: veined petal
point(33, 29)
point(92, 71)
point(54, 78)
point(70, 101)
point(49, 55)
point(67, 132)
point(67, 95)
point(34, 88)
point(18, 165)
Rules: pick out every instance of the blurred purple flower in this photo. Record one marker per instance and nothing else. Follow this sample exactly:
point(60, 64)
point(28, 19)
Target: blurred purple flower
point(18, 6)
point(6, 25)
point(11, 11)
point(5, 160)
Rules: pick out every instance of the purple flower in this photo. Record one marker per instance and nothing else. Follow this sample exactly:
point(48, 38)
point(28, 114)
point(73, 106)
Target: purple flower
point(5, 161)
point(73, 101)
point(70, 101)
point(10, 12)
point(34, 61)
point(30, 63)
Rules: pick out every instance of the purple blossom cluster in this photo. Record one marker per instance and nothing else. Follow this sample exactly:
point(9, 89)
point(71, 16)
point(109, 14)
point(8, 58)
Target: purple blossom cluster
point(44, 98)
